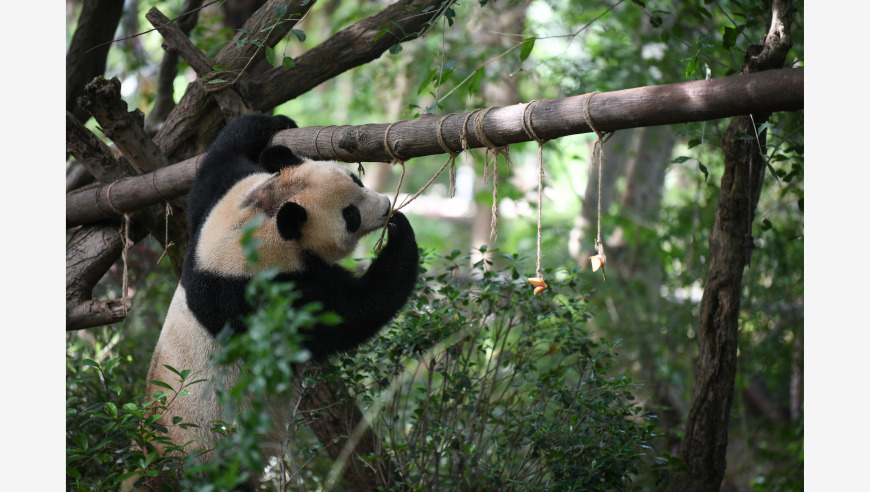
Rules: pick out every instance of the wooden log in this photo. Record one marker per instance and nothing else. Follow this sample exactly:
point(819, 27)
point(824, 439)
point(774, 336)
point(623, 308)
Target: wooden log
point(701, 100)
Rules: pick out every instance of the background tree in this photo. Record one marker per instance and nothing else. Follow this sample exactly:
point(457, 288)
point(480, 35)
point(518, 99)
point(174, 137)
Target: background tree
point(662, 182)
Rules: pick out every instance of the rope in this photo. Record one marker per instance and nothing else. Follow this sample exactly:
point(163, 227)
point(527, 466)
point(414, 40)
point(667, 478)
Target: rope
point(600, 258)
point(125, 240)
point(450, 160)
point(492, 151)
point(332, 143)
point(396, 160)
point(316, 150)
point(530, 131)
point(166, 242)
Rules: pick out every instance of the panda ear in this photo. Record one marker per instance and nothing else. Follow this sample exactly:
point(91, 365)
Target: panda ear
point(276, 157)
point(289, 220)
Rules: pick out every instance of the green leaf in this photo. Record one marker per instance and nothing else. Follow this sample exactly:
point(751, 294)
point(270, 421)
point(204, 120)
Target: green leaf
point(692, 66)
point(299, 33)
point(288, 62)
point(395, 49)
point(73, 472)
point(474, 81)
point(161, 384)
point(270, 55)
point(703, 169)
point(217, 81)
point(526, 48)
point(680, 160)
point(656, 21)
point(281, 11)
point(694, 142)
point(112, 408)
point(729, 37)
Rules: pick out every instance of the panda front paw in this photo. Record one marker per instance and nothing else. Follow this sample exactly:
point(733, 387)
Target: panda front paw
point(400, 236)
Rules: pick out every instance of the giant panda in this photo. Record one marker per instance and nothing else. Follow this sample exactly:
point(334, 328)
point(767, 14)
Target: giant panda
point(314, 214)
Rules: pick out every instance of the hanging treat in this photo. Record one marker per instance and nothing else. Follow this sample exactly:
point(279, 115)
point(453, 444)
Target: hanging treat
point(540, 285)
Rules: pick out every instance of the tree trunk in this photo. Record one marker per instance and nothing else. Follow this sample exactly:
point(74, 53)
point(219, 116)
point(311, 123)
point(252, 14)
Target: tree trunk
point(706, 436)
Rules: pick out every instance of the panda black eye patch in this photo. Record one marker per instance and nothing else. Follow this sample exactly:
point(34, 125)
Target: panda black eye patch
point(356, 180)
point(351, 218)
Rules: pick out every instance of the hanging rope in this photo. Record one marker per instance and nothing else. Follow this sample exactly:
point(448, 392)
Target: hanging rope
point(538, 280)
point(395, 160)
point(492, 151)
point(600, 258)
point(166, 242)
point(125, 240)
point(451, 192)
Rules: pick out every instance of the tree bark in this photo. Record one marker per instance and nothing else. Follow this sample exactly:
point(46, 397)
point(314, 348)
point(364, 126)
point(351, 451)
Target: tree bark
point(88, 48)
point(196, 119)
point(780, 90)
point(706, 436)
point(164, 101)
point(338, 423)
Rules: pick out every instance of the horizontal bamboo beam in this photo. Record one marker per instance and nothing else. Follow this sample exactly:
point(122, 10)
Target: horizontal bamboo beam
point(700, 100)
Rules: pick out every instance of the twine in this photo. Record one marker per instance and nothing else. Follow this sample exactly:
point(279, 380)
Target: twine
point(396, 160)
point(332, 143)
point(316, 150)
point(530, 131)
point(599, 145)
point(125, 240)
point(450, 160)
point(166, 242)
point(492, 151)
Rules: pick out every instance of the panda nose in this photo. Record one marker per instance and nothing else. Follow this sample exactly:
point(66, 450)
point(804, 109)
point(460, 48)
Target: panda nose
point(387, 206)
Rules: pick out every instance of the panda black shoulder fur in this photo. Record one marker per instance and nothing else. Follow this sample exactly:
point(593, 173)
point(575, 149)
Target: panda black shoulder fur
point(314, 212)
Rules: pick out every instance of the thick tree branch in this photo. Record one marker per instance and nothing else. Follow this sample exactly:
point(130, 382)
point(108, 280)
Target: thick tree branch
point(90, 252)
point(88, 48)
point(126, 129)
point(196, 118)
point(93, 154)
point(131, 194)
point(102, 98)
point(706, 436)
point(333, 418)
point(163, 100)
point(357, 45)
point(778, 90)
point(176, 42)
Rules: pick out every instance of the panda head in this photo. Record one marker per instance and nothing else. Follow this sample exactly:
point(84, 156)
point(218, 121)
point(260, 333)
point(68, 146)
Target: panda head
point(321, 205)
point(317, 206)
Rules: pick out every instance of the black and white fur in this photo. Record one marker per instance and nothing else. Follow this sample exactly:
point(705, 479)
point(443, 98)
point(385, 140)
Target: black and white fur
point(314, 214)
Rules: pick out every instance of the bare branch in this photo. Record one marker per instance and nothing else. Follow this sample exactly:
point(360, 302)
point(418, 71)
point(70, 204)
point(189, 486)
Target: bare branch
point(93, 154)
point(232, 105)
point(97, 23)
point(356, 45)
point(130, 194)
point(102, 99)
point(90, 252)
point(163, 100)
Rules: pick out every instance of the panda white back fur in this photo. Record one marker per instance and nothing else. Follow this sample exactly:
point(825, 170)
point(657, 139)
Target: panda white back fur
point(314, 214)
